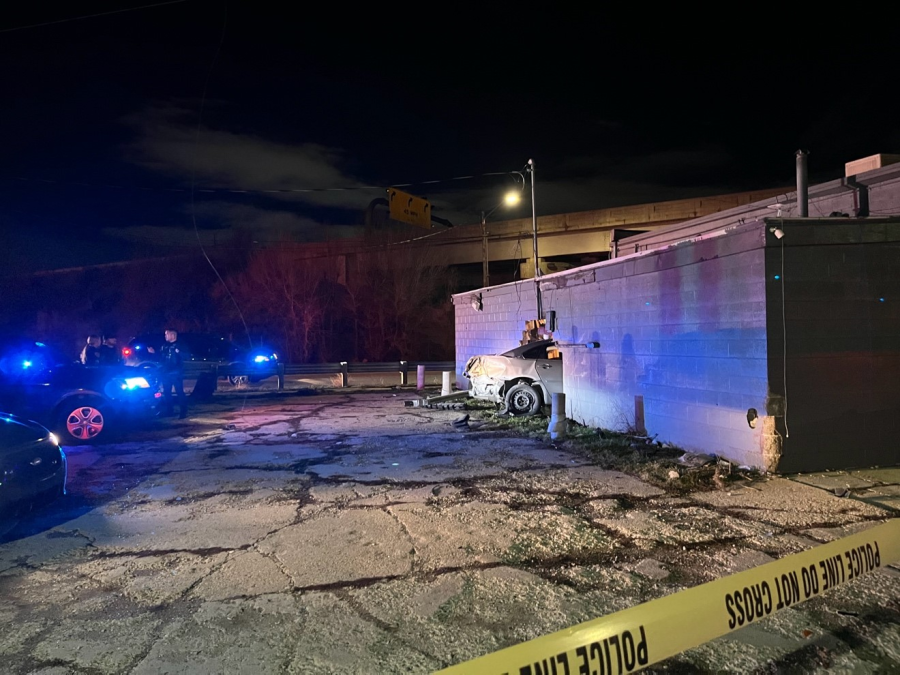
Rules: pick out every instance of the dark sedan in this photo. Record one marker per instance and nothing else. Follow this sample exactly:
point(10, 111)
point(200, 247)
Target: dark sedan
point(32, 468)
point(78, 402)
point(246, 363)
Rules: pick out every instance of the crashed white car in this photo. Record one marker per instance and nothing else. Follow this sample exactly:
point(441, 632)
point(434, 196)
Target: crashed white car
point(520, 380)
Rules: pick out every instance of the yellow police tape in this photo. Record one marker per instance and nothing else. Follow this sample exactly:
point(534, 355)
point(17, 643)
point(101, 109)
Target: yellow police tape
point(648, 633)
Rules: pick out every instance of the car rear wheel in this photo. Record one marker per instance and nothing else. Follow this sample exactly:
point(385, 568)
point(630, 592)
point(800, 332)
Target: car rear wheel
point(235, 380)
point(522, 399)
point(81, 421)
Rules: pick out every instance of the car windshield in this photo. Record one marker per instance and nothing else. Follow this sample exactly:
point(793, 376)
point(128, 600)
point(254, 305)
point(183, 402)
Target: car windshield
point(535, 350)
point(144, 341)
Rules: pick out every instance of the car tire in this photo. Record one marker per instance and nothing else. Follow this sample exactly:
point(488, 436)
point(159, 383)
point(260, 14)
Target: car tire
point(235, 380)
point(81, 421)
point(522, 400)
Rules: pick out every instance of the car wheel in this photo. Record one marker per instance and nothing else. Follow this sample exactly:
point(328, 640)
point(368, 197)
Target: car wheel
point(81, 421)
point(522, 399)
point(237, 379)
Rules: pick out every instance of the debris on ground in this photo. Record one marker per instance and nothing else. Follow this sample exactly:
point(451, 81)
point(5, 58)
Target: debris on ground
point(696, 459)
point(454, 401)
point(718, 481)
point(637, 439)
point(461, 422)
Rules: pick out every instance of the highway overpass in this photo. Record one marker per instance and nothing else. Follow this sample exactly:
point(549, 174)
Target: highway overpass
point(573, 238)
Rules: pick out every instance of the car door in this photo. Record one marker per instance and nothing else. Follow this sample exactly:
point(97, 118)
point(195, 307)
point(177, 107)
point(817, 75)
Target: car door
point(26, 391)
point(549, 370)
point(10, 395)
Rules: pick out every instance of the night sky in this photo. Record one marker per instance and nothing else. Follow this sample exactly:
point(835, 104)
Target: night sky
point(122, 133)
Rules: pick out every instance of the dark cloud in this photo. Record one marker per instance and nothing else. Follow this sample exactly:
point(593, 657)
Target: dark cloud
point(231, 220)
point(611, 114)
point(169, 142)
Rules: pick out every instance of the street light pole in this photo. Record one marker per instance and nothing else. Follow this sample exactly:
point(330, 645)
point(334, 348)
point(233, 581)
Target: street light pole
point(485, 272)
point(534, 238)
point(510, 199)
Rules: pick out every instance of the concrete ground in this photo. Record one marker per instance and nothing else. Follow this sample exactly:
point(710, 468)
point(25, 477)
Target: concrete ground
point(339, 531)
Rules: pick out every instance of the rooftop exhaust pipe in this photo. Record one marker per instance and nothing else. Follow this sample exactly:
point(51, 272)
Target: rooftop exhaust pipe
point(802, 185)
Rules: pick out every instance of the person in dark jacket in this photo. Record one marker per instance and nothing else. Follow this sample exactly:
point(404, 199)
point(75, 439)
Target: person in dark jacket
point(109, 352)
point(90, 355)
point(171, 364)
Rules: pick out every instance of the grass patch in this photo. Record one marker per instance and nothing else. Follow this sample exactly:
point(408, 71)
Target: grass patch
point(653, 462)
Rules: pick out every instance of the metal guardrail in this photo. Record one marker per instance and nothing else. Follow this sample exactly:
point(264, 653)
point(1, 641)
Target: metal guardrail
point(344, 368)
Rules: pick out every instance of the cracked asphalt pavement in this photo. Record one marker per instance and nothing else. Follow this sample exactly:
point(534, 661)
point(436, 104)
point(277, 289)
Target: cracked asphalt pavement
point(342, 532)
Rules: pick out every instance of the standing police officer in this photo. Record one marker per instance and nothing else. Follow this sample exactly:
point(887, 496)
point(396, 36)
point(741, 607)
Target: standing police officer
point(90, 355)
point(172, 365)
point(109, 352)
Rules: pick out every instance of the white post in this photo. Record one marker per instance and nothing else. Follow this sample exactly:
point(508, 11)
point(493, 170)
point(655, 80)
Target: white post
point(558, 421)
point(445, 383)
point(420, 377)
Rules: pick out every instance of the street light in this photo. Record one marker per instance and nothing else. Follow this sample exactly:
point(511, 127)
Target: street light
point(511, 198)
point(534, 240)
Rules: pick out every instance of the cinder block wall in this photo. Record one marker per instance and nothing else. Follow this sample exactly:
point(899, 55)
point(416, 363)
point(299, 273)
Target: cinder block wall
point(841, 328)
point(693, 337)
point(883, 198)
point(681, 333)
point(497, 327)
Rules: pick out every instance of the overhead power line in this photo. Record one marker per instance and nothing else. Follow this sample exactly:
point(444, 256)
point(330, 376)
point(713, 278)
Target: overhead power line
point(90, 16)
point(221, 190)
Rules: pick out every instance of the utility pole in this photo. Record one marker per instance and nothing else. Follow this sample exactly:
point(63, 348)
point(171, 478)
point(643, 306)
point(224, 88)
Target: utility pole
point(485, 271)
point(534, 241)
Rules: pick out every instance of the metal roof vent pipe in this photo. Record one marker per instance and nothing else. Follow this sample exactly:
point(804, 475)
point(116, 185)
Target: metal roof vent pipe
point(802, 185)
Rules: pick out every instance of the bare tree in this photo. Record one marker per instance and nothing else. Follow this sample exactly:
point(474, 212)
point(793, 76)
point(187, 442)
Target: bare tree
point(277, 292)
point(400, 298)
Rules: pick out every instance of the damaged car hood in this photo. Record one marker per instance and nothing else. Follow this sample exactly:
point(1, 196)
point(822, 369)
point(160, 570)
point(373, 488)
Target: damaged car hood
point(499, 368)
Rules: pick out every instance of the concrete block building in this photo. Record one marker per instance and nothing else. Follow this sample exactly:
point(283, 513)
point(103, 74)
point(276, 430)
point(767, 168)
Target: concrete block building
point(766, 338)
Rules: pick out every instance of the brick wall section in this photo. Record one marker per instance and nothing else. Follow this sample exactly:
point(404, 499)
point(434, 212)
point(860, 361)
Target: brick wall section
point(684, 328)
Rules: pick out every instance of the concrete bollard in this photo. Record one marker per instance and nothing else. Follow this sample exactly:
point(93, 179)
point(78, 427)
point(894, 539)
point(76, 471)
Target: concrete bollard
point(445, 383)
point(420, 377)
point(558, 422)
point(404, 373)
